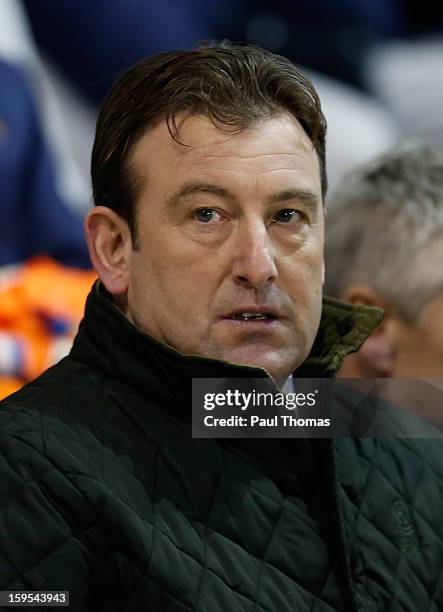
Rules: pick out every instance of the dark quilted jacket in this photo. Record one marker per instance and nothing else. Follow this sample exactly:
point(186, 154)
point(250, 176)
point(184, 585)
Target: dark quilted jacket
point(104, 493)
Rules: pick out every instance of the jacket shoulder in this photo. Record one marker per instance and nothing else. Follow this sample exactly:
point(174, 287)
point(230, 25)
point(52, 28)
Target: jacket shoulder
point(45, 467)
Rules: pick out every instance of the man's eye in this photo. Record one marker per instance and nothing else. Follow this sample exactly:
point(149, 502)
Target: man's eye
point(205, 215)
point(286, 215)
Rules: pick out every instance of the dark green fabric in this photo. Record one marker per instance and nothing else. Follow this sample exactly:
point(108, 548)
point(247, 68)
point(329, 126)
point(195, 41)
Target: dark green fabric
point(104, 493)
point(343, 329)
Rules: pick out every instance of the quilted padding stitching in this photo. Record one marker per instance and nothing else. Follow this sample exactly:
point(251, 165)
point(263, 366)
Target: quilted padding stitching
point(197, 459)
point(4, 502)
point(51, 552)
point(164, 588)
point(400, 494)
point(284, 503)
point(423, 460)
point(432, 600)
point(263, 561)
point(360, 513)
point(205, 541)
point(154, 523)
point(363, 516)
point(70, 482)
point(156, 528)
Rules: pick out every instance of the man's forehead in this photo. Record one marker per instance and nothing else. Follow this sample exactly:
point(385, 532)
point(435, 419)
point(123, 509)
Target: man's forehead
point(273, 145)
point(200, 139)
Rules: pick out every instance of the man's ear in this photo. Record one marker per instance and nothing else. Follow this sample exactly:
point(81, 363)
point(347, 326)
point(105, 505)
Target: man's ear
point(110, 246)
point(375, 359)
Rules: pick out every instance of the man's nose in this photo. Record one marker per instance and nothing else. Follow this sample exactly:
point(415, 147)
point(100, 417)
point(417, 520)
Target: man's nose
point(254, 257)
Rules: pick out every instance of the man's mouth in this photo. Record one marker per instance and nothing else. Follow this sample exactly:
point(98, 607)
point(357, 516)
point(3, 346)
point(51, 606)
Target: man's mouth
point(252, 316)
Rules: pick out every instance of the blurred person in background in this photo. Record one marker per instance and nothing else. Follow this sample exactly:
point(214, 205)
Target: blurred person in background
point(45, 270)
point(39, 185)
point(384, 247)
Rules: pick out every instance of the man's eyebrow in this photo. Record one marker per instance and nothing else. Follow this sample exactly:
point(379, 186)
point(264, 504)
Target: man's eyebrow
point(194, 188)
point(307, 198)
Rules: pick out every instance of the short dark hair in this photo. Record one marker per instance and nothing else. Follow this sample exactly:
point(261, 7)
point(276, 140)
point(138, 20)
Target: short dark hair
point(234, 85)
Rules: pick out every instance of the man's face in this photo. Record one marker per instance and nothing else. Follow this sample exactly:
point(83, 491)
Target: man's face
point(229, 262)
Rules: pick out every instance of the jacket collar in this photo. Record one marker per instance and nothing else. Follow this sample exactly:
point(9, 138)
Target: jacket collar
point(107, 341)
point(343, 329)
